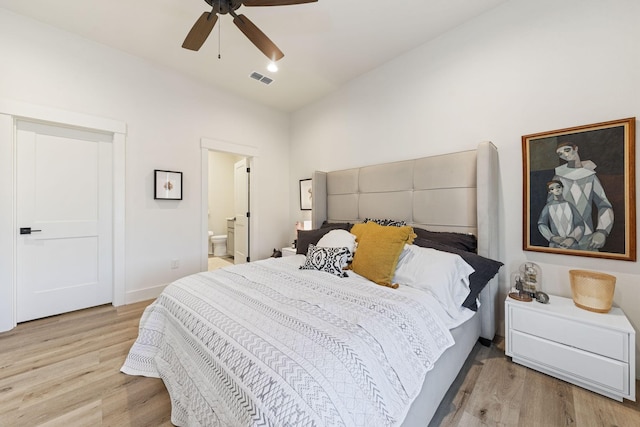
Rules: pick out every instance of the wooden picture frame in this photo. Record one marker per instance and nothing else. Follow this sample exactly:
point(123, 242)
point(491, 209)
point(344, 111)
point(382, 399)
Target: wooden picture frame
point(167, 185)
point(305, 194)
point(579, 191)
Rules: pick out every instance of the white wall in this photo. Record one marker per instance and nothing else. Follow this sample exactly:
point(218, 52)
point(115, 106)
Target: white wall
point(166, 117)
point(522, 68)
point(221, 190)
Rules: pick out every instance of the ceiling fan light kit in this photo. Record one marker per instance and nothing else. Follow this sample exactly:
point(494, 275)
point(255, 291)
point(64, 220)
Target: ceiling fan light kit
point(203, 26)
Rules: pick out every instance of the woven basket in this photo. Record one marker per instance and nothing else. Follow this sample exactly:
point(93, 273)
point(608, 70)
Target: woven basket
point(591, 290)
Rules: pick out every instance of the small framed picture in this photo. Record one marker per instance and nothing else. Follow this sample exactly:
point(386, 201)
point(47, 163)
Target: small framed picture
point(167, 185)
point(305, 194)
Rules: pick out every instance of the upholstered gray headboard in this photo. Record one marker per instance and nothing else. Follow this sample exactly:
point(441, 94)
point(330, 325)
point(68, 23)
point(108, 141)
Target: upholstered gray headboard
point(449, 192)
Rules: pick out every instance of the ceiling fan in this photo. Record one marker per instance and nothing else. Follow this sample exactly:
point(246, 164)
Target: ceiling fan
point(203, 26)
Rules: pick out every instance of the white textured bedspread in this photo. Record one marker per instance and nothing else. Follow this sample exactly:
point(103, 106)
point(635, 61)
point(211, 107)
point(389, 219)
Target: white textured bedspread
point(268, 344)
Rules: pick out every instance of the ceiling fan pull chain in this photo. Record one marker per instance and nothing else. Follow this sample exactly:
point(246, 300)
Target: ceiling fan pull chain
point(219, 35)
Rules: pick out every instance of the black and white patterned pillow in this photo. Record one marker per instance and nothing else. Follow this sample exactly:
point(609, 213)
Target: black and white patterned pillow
point(330, 260)
point(386, 222)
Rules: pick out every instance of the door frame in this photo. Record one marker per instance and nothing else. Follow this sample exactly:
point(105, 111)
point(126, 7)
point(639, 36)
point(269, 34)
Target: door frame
point(251, 153)
point(10, 112)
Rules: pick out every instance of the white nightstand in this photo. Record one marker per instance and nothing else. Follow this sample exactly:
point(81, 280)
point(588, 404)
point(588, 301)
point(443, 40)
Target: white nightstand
point(591, 350)
point(288, 251)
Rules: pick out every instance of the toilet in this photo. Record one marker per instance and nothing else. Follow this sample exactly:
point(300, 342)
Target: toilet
point(210, 242)
point(219, 243)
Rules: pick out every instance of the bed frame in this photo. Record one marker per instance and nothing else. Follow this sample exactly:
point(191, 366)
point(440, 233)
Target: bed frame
point(449, 192)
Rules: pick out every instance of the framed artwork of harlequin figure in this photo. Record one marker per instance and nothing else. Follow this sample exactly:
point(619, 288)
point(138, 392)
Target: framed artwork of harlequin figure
point(579, 190)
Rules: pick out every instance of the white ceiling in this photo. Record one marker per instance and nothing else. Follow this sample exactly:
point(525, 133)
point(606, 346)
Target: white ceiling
point(325, 44)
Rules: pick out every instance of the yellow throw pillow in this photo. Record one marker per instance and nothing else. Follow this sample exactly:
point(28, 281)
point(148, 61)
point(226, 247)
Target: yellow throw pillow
point(378, 250)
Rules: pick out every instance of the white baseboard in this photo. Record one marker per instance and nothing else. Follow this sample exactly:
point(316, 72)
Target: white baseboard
point(144, 294)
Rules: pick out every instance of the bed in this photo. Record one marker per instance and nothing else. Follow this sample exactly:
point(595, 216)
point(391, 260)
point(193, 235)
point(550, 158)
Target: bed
point(268, 343)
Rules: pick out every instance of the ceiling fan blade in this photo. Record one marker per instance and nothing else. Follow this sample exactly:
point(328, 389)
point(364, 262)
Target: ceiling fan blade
point(200, 31)
point(258, 38)
point(275, 2)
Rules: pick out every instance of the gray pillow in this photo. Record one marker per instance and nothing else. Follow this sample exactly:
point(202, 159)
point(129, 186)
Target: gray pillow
point(462, 241)
point(333, 225)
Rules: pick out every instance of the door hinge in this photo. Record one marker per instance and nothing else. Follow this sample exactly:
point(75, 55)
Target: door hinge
point(248, 259)
point(248, 214)
point(248, 170)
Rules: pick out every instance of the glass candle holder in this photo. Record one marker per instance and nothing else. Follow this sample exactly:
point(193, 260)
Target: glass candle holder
point(531, 277)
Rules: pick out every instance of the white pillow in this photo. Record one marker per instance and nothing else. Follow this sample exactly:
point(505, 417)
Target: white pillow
point(338, 239)
point(442, 274)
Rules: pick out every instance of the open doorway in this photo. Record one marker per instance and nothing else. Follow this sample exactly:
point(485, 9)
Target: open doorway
point(221, 215)
point(226, 220)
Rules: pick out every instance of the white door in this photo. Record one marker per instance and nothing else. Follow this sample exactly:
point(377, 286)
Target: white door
point(241, 209)
point(64, 195)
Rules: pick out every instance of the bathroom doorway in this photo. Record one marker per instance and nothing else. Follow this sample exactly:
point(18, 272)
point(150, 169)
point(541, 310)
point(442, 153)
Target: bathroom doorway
point(221, 210)
point(221, 202)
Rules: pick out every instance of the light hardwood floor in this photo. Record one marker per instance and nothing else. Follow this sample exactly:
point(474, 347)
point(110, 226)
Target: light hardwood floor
point(64, 371)
point(215, 263)
point(493, 391)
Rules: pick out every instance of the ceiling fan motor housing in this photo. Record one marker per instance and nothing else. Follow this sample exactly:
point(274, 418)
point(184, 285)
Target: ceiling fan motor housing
point(222, 7)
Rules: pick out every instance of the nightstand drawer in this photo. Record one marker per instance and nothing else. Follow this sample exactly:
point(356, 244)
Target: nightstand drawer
point(572, 363)
point(588, 337)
